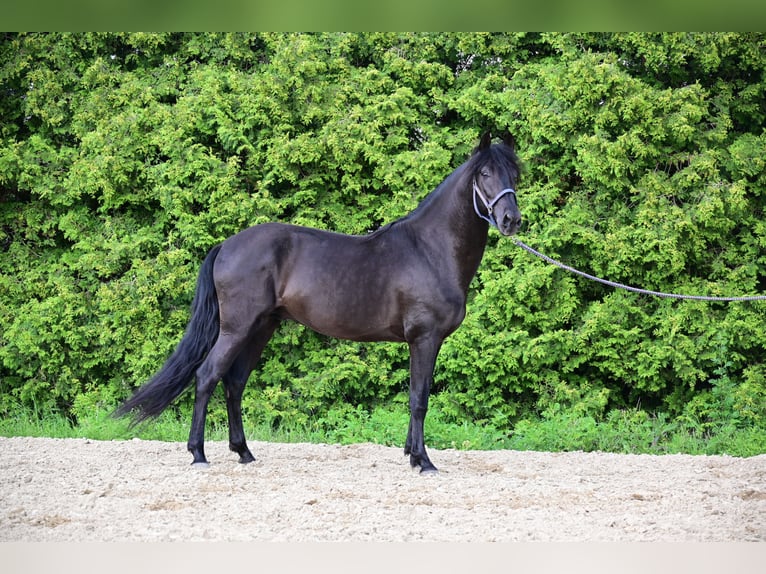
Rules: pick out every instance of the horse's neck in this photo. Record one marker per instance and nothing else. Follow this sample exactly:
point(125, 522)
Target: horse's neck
point(450, 225)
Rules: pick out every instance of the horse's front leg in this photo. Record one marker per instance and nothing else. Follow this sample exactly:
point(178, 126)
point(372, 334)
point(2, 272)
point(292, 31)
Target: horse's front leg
point(423, 352)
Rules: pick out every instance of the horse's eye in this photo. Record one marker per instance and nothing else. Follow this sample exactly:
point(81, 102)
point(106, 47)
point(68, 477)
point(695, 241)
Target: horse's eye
point(484, 174)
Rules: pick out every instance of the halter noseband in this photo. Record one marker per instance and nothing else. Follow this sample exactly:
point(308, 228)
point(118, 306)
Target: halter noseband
point(488, 204)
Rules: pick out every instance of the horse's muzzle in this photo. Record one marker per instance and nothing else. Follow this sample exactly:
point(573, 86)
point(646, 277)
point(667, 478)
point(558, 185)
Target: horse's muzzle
point(509, 222)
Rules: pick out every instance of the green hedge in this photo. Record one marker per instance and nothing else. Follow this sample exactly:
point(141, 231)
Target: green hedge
point(125, 157)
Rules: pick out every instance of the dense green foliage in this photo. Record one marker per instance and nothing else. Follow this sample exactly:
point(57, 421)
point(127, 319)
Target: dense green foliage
point(125, 157)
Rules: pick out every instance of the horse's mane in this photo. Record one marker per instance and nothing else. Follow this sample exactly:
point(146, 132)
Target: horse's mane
point(421, 207)
point(501, 154)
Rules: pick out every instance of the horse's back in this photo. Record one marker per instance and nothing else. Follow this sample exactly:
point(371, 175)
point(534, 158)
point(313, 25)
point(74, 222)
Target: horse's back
point(280, 246)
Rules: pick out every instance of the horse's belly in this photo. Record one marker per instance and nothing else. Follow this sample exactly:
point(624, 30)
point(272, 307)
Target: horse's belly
point(355, 333)
point(339, 317)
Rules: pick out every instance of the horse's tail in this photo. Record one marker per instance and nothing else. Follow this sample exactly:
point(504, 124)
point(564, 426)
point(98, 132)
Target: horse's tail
point(178, 371)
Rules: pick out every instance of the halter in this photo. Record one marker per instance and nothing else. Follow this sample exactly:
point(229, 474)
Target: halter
point(488, 204)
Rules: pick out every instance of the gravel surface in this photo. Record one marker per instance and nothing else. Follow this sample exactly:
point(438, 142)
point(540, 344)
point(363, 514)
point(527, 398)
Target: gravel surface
point(84, 490)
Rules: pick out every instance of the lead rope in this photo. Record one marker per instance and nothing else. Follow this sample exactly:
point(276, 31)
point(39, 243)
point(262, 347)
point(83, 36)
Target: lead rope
point(633, 289)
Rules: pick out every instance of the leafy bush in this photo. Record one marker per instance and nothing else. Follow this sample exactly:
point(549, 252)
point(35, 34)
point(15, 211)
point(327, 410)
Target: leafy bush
point(125, 157)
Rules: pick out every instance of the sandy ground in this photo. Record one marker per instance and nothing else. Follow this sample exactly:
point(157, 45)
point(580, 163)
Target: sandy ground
point(82, 490)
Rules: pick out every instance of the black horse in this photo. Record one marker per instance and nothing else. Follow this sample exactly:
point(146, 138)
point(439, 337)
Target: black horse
point(405, 282)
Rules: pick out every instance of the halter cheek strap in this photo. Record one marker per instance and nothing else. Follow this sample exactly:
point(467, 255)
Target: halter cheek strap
point(488, 204)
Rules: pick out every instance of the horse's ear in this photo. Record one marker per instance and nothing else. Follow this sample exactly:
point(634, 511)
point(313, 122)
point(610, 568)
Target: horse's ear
point(509, 140)
point(486, 140)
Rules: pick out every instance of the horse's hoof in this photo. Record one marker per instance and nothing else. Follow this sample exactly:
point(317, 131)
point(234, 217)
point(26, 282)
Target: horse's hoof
point(200, 465)
point(246, 459)
point(433, 471)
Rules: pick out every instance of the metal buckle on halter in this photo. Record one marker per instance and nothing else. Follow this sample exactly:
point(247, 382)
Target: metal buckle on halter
point(489, 205)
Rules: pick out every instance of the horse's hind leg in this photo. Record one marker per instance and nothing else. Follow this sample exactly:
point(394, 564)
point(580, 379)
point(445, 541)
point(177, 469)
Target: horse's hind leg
point(214, 367)
point(234, 384)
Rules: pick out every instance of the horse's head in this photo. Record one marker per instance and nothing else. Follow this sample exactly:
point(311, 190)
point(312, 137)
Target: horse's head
point(494, 171)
